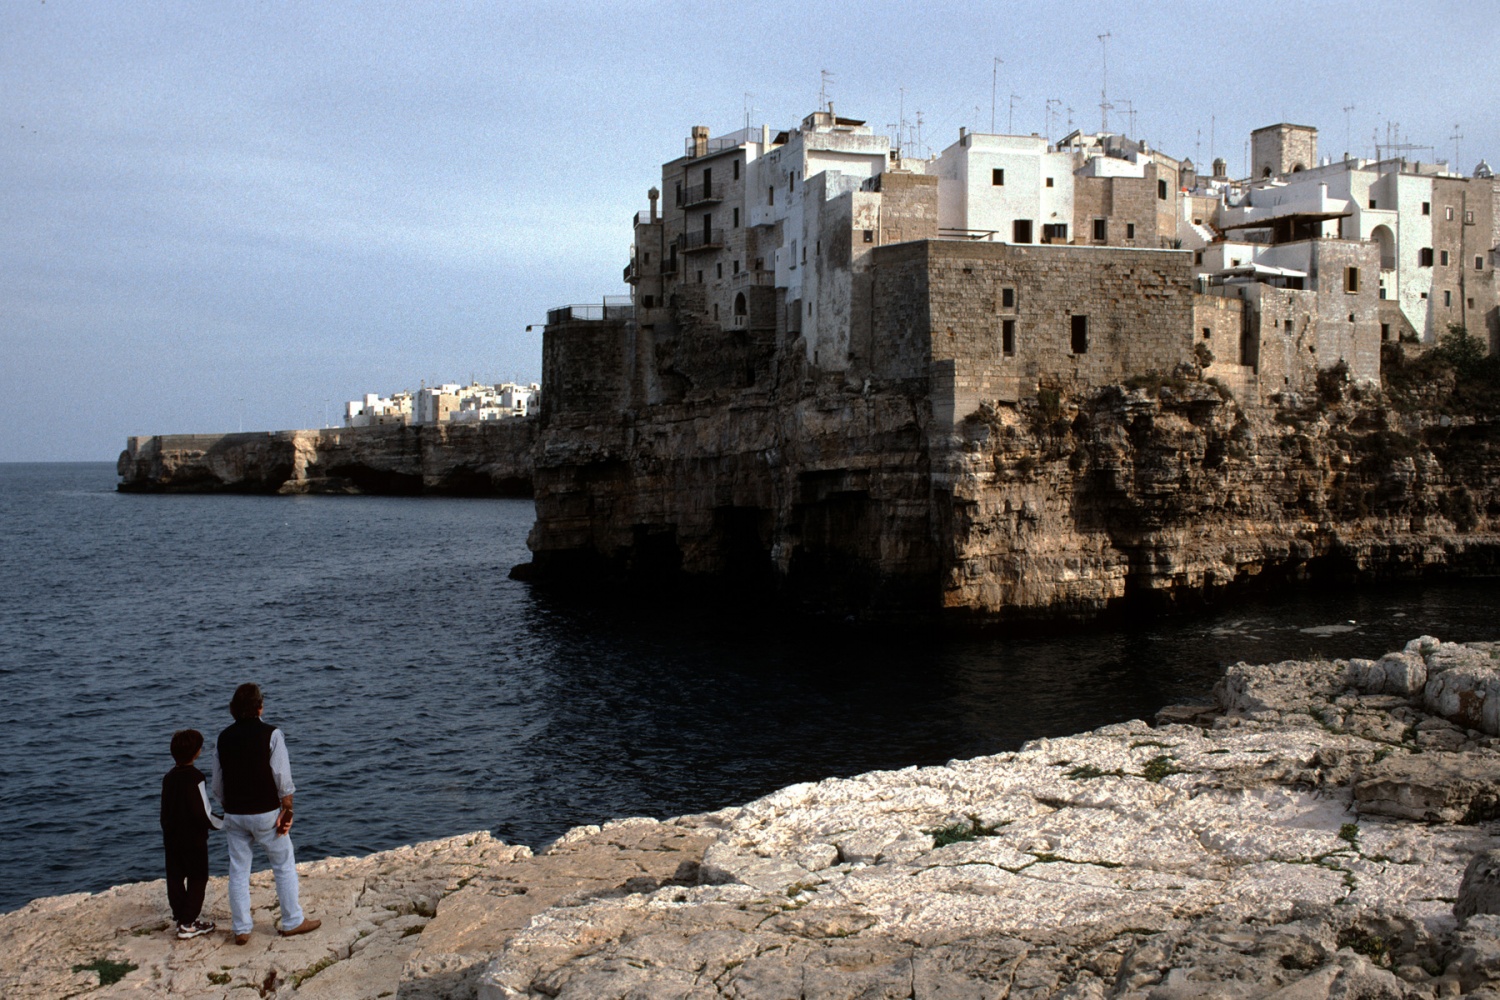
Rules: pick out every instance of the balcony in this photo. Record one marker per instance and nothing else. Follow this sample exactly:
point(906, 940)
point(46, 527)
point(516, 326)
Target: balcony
point(762, 278)
point(632, 274)
point(709, 239)
point(701, 194)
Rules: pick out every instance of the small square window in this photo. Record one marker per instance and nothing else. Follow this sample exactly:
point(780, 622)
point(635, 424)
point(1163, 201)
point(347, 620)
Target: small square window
point(1351, 279)
point(648, 301)
point(1101, 230)
point(1385, 331)
point(1008, 337)
point(1471, 303)
point(1443, 257)
point(1479, 263)
point(997, 177)
point(700, 277)
point(1286, 325)
point(1007, 298)
point(736, 267)
point(869, 236)
point(1049, 182)
point(1426, 208)
point(1372, 202)
point(1208, 334)
point(1130, 230)
point(1448, 213)
point(1424, 257)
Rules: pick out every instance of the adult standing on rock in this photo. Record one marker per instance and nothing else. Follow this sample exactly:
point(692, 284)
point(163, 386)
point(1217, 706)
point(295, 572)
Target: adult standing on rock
point(252, 779)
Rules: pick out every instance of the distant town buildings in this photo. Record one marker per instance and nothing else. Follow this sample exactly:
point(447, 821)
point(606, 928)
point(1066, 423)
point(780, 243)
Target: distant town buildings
point(448, 403)
point(788, 236)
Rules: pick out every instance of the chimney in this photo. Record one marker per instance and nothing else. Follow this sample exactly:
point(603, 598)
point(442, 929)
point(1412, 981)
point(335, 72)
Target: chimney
point(653, 194)
point(700, 140)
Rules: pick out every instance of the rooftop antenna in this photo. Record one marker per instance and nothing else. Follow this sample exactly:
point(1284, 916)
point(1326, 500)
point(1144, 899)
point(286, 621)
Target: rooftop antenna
point(1130, 116)
point(1457, 136)
point(1198, 149)
point(749, 108)
point(1348, 132)
point(920, 147)
point(1213, 124)
point(1104, 105)
point(825, 79)
point(1052, 102)
point(1010, 123)
point(994, 81)
point(1070, 119)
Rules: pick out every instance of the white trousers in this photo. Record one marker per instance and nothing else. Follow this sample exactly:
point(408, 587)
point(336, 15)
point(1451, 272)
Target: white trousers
point(242, 831)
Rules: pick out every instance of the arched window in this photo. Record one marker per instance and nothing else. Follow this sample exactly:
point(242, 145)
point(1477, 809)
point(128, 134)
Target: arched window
point(1386, 240)
point(739, 304)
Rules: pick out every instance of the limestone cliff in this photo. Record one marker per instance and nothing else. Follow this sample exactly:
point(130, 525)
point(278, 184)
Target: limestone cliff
point(883, 494)
point(482, 459)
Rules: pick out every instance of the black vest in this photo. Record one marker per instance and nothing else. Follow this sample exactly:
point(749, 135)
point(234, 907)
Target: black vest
point(182, 816)
point(245, 766)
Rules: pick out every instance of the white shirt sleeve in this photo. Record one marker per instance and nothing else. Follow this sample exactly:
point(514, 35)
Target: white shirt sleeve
point(216, 776)
point(281, 766)
point(213, 820)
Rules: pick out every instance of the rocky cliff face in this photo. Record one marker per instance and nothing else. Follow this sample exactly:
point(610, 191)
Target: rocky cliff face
point(865, 497)
point(486, 459)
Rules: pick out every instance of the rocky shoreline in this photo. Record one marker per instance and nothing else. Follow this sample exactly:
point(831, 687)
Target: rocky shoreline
point(1321, 830)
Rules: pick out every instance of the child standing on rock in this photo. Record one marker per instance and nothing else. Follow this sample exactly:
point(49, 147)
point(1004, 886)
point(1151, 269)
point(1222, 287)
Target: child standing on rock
point(185, 822)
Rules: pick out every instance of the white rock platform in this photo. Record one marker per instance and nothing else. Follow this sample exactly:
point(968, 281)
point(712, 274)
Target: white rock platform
point(1306, 836)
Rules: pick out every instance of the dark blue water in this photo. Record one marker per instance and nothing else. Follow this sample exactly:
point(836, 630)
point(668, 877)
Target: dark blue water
point(424, 694)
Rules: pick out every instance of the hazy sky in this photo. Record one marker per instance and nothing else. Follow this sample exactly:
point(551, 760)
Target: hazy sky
point(217, 215)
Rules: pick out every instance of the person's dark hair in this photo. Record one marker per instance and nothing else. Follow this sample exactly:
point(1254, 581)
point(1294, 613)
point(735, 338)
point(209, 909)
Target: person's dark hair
point(246, 702)
point(185, 745)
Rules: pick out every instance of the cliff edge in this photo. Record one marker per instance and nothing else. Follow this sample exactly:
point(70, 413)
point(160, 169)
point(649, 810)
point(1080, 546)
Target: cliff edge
point(1323, 830)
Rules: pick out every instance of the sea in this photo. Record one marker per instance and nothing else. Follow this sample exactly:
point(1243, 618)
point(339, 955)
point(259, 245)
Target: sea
point(424, 693)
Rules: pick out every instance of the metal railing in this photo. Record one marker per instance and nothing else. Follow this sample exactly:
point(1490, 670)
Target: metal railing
point(766, 278)
point(711, 239)
point(614, 307)
point(701, 194)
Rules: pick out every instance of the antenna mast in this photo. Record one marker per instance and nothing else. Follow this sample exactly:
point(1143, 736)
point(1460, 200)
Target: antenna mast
point(825, 78)
point(1104, 104)
point(1456, 137)
point(1348, 134)
point(1010, 123)
point(994, 82)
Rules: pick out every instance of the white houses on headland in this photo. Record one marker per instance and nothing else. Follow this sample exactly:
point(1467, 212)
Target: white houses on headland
point(447, 403)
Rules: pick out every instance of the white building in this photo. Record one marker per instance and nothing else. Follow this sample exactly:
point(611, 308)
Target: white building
point(374, 410)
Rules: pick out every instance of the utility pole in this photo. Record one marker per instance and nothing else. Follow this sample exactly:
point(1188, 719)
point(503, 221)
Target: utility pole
point(1104, 104)
point(994, 83)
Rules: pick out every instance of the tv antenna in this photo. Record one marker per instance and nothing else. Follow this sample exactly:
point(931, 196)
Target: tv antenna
point(1457, 136)
point(1348, 133)
point(1052, 102)
point(1010, 123)
point(825, 78)
point(994, 82)
point(1104, 105)
point(749, 108)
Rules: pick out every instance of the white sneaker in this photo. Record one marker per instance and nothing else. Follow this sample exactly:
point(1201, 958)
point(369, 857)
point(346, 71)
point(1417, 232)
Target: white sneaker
point(195, 929)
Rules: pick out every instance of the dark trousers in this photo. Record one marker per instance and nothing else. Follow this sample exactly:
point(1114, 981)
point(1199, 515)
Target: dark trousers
point(187, 877)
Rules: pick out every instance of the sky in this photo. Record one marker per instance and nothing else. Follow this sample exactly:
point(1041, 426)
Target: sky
point(237, 215)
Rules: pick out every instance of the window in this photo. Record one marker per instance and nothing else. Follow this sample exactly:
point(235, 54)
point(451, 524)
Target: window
point(793, 265)
point(1447, 298)
point(1101, 230)
point(1021, 231)
point(720, 266)
point(1080, 334)
point(1443, 257)
point(1351, 279)
point(1424, 257)
point(1286, 325)
point(1426, 208)
point(1479, 263)
point(791, 182)
point(1055, 231)
point(1049, 182)
point(1008, 337)
point(804, 253)
point(736, 267)
point(869, 236)
point(1372, 202)
point(736, 218)
point(1471, 303)
point(1161, 190)
point(1385, 331)
point(700, 277)
point(997, 177)
point(716, 312)
point(1007, 298)
point(736, 169)
point(1130, 230)
point(648, 301)
point(647, 256)
point(1448, 213)
point(679, 192)
point(818, 248)
point(1198, 257)
point(1208, 334)
point(771, 195)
